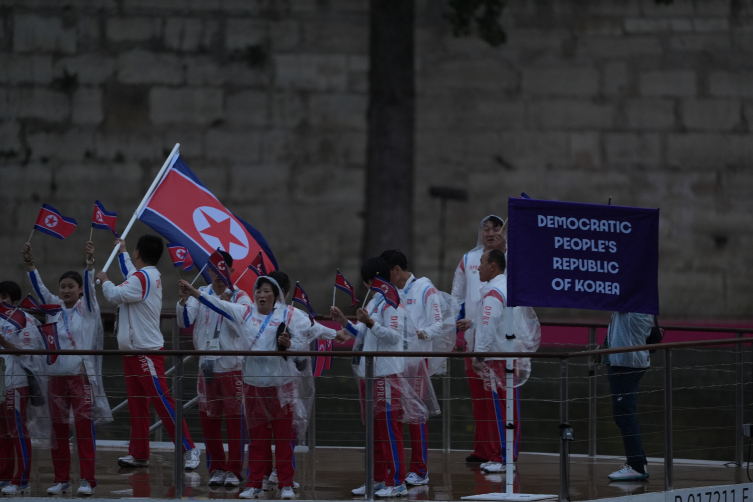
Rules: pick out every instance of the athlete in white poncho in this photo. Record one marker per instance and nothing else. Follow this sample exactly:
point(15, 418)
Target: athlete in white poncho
point(433, 315)
point(75, 382)
point(269, 382)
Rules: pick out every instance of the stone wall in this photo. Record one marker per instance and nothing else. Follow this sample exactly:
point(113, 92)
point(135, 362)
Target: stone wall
point(649, 104)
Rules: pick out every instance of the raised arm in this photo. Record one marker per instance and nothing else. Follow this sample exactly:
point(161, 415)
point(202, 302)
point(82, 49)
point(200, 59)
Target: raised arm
point(90, 305)
point(36, 280)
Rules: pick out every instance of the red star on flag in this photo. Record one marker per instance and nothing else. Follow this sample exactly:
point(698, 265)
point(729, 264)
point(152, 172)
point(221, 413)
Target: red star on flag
point(220, 230)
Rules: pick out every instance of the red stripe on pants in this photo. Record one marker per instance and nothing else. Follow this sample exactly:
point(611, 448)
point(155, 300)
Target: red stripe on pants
point(12, 442)
point(142, 375)
point(389, 455)
point(64, 393)
point(263, 408)
point(495, 411)
point(481, 446)
point(222, 396)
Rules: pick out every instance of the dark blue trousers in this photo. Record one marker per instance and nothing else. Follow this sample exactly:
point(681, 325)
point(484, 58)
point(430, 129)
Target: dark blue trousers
point(623, 382)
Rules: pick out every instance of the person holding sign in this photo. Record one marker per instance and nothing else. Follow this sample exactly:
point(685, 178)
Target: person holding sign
point(466, 290)
point(625, 371)
point(139, 300)
point(220, 382)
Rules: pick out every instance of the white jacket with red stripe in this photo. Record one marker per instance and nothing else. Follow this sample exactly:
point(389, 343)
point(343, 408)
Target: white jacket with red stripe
point(139, 301)
point(490, 318)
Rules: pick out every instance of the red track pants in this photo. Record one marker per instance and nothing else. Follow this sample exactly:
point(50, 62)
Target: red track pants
point(495, 404)
point(389, 456)
point(15, 444)
point(223, 397)
point(64, 393)
point(481, 446)
point(145, 383)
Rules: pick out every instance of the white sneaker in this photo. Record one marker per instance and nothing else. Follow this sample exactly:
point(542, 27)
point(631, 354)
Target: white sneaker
point(273, 477)
point(393, 491)
point(287, 493)
point(231, 480)
point(494, 467)
point(362, 489)
point(192, 459)
point(217, 478)
point(627, 473)
point(414, 479)
point(59, 488)
point(252, 493)
point(15, 489)
point(129, 461)
point(486, 463)
point(85, 489)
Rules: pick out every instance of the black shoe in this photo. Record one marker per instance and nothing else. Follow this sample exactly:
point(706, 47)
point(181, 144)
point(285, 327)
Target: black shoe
point(474, 458)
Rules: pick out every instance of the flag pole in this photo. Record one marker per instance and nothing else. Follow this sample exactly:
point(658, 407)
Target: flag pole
point(367, 297)
point(200, 271)
point(32, 233)
point(241, 277)
point(157, 179)
point(334, 291)
point(91, 232)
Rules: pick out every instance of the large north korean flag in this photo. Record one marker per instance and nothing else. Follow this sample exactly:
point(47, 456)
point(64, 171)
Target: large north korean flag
point(183, 211)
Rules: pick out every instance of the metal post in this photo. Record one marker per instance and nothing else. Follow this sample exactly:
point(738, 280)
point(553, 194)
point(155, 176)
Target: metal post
point(668, 448)
point(592, 393)
point(369, 399)
point(564, 443)
point(739, 401)
point(178, 396)
point(446, 427)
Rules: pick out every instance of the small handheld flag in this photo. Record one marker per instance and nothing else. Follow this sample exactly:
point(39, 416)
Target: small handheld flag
point(217, 264)
point(391, 295)
point(49, 334)
point(11, 315)
point(300, 296)
point(258, 265)
point(102, 219)
point(322, 363)
point(51, 222)
point(180, 255)
point(342, 284)
point(30, 303)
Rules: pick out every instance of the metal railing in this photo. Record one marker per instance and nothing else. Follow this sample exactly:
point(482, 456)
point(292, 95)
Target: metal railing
point(182, 356)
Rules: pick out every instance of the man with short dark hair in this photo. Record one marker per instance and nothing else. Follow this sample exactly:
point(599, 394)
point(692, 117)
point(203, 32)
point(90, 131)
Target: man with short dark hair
point(139, 301)
point(422, 306)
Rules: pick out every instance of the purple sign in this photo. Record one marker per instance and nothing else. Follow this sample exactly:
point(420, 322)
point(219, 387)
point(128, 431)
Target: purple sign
point(582, 256)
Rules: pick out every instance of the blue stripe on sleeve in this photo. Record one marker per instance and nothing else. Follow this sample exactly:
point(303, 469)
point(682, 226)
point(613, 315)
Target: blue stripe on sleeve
point(86, 290)
point(351, 329)
point(186, 322)
point(123, 268)
point(35, 285)
point(211, 306)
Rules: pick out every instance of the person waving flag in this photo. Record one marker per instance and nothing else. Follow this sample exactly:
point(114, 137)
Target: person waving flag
point(51, 222)
point(103, 219)
point(342, 284)
point(217, 264)
point(180, 256)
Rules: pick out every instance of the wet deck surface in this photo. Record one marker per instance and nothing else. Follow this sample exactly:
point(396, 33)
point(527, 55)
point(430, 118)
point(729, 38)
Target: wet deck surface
point(330, 474)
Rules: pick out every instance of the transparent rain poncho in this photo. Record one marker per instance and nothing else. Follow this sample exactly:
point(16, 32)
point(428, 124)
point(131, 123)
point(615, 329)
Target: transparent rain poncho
point(447, 338)
point(405, 377)
point(273, 386)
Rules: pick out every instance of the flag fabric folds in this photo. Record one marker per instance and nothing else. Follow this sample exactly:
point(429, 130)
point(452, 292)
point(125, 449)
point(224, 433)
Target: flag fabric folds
point(342, 284)
point(183, 210)
point(51, 222)
point(11, 315)
point(322, 363)
point(217, 264)
point(180, 256)
point(102, 219)
point(300, 296)
point(257, 266)
point(30, 303)
point(49, 334)
point(389, 291)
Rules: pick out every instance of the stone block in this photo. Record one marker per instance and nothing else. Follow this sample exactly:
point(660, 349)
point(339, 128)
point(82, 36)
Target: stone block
point(288, 110)
point(248, 108)
point(312, 71)
point(88, 68)
point(701, 42)
point(672, 83)
point(233, 146)
point(25, 69)
point(32, 33)
point(129, 147)
point(560, 81)
point(119, 186)
point(570, 114)
point(87, 106)
point(731, 84)
point(706, 24)
point(265, 178)
point(189, 34)
point(712, 114)
point(650, 114)
point(11, 146)
point(285, 34)
point(88, 34)
point(675, 8)
point(482, 112)
point(40, 103)
point(358, 74)
point(585, 150)
point(643, 25)
point(133, 29)
point(336, 35)
point(696, 151)
point(184, 105)
point(712, 8)
point(632, 150)
point(618, 48)
point(191, 142)
point(244, 32)
point(332, 112)
point(615, 80)
point(469, 75)
point(143, 67)
point(68, 146)
point(520, 150)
